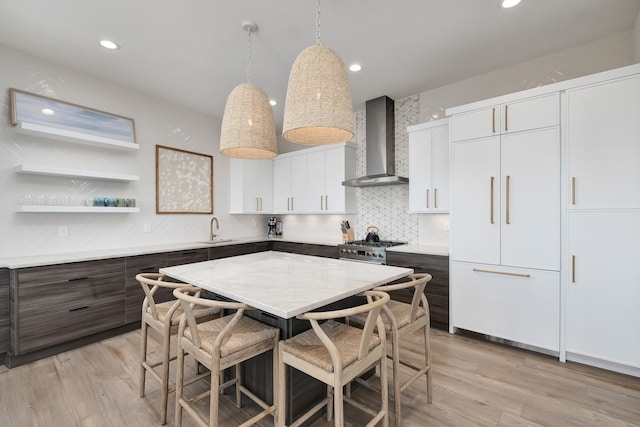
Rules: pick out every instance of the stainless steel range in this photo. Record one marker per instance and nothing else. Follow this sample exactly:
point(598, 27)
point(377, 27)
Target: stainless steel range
point(361, 250)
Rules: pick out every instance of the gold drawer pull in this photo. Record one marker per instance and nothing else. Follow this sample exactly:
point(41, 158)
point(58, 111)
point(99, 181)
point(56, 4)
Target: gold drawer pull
point(427, 198)
point(435, 198)
point(491, 201)
point(479, 270)
point(506, 118)
point(507, 202)
point(573, 190)
point(493, 120)
point(573, 269)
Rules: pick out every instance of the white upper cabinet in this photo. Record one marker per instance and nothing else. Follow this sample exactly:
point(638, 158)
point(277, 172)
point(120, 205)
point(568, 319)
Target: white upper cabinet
point(603, 145)
point(290, 184)
point(516, 116)
point(310, 181)
point(429, 167)
point(251, 186)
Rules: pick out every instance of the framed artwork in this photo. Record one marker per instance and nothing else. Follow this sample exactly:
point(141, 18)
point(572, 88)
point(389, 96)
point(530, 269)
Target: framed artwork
point(40, 110)
point(184, 182)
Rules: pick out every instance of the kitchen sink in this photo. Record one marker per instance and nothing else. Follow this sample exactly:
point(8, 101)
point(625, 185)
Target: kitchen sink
point(216, 241)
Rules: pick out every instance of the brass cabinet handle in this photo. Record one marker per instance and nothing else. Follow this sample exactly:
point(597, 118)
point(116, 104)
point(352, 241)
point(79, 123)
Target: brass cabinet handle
point(479, 270)
point(573, 190)
point(573, 269)
point(493, 120)
point(507, 201)
point(427, 198)
point(292, 203)
point(435, 198)
point(257, 208)
point(260, 204)
point(506, 118)
point(491, 207)
point(321, 208)
point(326, 202)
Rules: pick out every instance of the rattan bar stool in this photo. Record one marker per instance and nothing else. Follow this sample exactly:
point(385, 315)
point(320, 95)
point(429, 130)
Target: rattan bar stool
point(401, 319)
point(335, 353)
point(220, 344)
point(163, 318)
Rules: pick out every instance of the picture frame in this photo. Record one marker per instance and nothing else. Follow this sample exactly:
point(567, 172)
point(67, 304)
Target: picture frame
point(27, 107)
point(184, 181)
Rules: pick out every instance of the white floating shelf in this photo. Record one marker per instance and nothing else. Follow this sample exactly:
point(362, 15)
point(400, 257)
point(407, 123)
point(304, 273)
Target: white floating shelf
point(71, 136)
point(75, 173)
point(76, 209)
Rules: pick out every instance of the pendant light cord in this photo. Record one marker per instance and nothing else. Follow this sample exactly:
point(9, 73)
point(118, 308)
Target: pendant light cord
point(317, 21)
point(249, 70)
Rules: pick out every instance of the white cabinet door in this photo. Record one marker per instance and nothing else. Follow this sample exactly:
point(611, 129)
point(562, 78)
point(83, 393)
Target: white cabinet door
point(419, 170)
point(316, 181)
point(440, 168)
point(603, 293)
point(479, 123)
point(282, 185)
point(475, 220)
point(530, 113)
point(251, 186)
point(429, 167)
point(604, 145)
point(339, 166)
point(511, 303)
point(530, 199)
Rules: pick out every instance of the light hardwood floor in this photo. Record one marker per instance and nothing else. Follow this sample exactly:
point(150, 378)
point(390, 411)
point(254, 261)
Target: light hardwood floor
point(476, 383)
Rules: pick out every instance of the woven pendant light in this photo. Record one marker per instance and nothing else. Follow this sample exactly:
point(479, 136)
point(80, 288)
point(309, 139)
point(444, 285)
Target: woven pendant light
point(318, 108)
point(248, 130)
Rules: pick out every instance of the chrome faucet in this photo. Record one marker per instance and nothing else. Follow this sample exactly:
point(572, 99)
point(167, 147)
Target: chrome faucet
point(211, 234)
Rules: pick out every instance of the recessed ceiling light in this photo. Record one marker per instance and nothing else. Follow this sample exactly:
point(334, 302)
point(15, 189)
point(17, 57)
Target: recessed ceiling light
point(108, 44)
point(355, 67)
point(47, 111)
point(509, 3)
point(273, 102)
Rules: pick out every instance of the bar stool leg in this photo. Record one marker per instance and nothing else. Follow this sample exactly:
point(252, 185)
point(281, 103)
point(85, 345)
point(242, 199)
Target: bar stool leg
point(166, 346)
point(179, 385)
point(397, 399)
point(427, 359)
point(143, 356)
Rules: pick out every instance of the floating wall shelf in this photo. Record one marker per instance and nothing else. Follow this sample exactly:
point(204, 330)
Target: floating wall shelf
point(71, 136)
point(76, 209)
point(74, 173)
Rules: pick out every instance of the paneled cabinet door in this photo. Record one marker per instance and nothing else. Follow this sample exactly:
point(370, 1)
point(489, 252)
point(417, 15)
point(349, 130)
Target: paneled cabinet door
point(603, 290)
point(475, 220)
point(289, 184)
point(604, 145)
point(327, 169)
point(515, 304)
point(429, 169)
point(530, 199)
point(251, 186)
point(516, 116)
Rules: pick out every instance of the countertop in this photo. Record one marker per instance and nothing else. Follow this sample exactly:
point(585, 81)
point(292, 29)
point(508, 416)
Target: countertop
point(68, 257)
point(293, 283)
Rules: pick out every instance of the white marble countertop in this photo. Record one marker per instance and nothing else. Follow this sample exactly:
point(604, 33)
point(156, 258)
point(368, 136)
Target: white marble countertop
point(92, 255)
point(285, 284)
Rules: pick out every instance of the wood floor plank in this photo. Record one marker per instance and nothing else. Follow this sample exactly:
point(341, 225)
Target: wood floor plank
point(475, 383)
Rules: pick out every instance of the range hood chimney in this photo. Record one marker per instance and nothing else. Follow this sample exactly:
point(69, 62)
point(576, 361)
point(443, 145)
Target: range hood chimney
point(381, 146)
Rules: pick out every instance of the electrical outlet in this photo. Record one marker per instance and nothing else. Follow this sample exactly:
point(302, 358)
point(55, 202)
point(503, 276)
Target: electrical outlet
point(147, 228)
point(446, 226)
point(63, 231)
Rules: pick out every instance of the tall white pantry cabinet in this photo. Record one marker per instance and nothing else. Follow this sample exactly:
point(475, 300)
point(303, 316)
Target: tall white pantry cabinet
point(545, 218)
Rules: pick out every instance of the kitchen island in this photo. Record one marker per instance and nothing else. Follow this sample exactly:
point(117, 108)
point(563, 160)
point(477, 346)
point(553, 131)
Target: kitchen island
point(281, 286)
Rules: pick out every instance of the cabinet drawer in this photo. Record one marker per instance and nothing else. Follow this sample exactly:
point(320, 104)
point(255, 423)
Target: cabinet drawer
point(134, 295)
point(187, 257)
point(56, 325)
point(70, 294)
point(71, 271)
point(516, 304)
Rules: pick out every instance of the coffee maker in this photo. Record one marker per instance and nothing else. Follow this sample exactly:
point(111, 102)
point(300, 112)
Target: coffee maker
point(271, 226)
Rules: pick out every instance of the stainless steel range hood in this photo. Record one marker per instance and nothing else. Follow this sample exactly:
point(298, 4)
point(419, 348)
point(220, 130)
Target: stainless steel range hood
point(380, 145)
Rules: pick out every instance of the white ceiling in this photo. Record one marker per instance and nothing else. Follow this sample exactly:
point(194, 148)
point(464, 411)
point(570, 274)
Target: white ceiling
point(193, 52)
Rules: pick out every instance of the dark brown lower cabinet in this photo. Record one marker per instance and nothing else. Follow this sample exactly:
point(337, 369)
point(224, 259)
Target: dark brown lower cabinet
point(58, 303)
point(305, 249)
point(134, 295)
point(4, 310)
point(437, 290)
